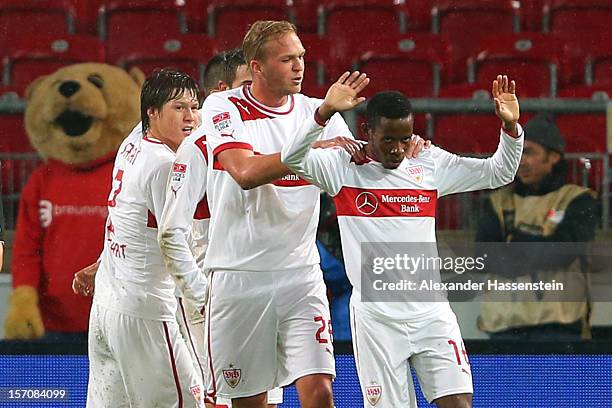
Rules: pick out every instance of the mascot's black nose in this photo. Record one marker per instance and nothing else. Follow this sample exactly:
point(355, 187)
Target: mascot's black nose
point(69, 88)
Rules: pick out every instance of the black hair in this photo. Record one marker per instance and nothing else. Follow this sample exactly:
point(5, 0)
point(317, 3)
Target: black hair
point(387, 104)
point(162, 86)
point(222, 67)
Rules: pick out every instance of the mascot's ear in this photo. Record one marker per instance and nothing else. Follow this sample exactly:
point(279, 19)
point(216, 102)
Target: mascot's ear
point(33, 85)
point(137, 75)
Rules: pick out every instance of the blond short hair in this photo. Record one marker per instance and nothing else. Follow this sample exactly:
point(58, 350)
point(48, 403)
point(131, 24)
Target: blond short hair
point(261, 32)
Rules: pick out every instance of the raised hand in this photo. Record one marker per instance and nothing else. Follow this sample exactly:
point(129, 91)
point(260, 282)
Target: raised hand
point(343, 94)
point(506, 103)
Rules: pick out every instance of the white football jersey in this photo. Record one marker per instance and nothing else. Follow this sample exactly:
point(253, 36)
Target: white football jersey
point(183, 229)
point(132, 278)
point(271, 227)
point(381, 205)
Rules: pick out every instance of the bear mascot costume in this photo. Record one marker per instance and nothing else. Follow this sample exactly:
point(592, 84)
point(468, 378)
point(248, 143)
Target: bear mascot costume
point(75, 118)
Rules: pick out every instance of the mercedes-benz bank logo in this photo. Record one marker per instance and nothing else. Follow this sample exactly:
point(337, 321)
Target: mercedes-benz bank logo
point(366, 203)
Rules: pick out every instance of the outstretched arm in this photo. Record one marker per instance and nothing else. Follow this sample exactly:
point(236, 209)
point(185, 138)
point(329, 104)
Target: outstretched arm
point(324, 167)
point(456, 174)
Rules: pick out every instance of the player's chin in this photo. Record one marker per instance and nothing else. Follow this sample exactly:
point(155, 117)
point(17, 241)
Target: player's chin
point(391, 165)
point(295, 88)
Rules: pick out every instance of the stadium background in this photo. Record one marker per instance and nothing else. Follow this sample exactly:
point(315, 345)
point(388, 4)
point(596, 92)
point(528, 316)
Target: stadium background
point(442, 54)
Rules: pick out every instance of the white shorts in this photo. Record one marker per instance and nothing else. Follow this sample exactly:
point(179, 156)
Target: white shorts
point(191, 324)
point(135, 362)
point(192, 328)
point(385, 349)
point(268, 329)
point(275, 397)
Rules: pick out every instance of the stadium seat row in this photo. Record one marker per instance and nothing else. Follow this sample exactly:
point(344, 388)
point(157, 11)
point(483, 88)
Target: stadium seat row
point(419, 64)
point(227, 19)
point(442, 128)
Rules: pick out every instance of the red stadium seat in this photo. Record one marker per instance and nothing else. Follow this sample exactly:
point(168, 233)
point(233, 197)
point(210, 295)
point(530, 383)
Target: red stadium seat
point(417, 15)
point(578, 137)
point(196, 12)
point(188, 53)
point(305, 13)
point(411, 63)
point(577, 17)
point(532, 58)
point(125, 21)
point(597, 58)
point(348, 21)
point(30, 57)
point(229, 20)
point(464, 23)
point(316, 61)
point(28, 17)
point(467, 133)
point(14, 139)
point(531, 15)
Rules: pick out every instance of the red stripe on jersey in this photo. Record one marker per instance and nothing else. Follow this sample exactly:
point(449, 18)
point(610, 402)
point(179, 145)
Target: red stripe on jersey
point(152, 140)
point(151, 221)
point(247, 110)
point(251, 98)
point(290, 180)
point(232, 145)
point(202, 212)
point(201, 144)
point(360, 202)
point(173, 363)
point(208, 323)
point(187, 329)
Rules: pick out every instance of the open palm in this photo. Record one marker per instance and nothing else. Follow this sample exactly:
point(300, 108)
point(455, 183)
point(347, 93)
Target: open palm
point(343, 94)
point(506, 103)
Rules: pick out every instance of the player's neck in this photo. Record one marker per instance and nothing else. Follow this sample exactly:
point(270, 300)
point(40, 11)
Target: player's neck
point(172, 144)
point(370, 152)
point(266, 96)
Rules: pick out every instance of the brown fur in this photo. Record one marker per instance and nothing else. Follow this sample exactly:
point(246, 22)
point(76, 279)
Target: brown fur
point(114, 108)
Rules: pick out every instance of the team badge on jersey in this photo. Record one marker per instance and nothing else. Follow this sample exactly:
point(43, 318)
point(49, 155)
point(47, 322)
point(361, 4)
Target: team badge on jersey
point(373, 393)
point(221, 121)
point(415, 173)
point(232, 376)
point(196, 391)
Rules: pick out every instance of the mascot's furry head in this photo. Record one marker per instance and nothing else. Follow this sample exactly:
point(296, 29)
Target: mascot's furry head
point(82, 112)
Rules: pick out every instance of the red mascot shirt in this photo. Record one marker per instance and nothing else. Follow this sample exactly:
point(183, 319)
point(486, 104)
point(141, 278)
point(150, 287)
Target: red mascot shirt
point(60, 229)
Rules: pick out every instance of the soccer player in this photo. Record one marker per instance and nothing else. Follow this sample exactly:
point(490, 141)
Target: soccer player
point(183, 231)
point(133, 331)
point(268, 317)
point(388, 337)
point(226, 70)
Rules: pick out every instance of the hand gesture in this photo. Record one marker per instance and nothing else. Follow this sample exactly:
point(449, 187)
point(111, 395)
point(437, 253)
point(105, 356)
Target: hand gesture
point(83, 282)
point(343, 94)
point(416, 146)
point(356, 148)
point(506, 103)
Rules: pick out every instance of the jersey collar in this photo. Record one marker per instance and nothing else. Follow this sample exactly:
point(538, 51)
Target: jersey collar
point(283, 110)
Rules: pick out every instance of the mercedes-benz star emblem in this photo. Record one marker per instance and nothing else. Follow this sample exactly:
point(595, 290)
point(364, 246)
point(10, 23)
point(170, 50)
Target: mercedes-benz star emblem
point(366, 203)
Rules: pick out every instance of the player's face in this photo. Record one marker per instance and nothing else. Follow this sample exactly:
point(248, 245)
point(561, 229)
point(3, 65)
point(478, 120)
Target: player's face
point(389, 140)
point(243, 76)
point(536, 163)
point(282, 68)
point(176, 119)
